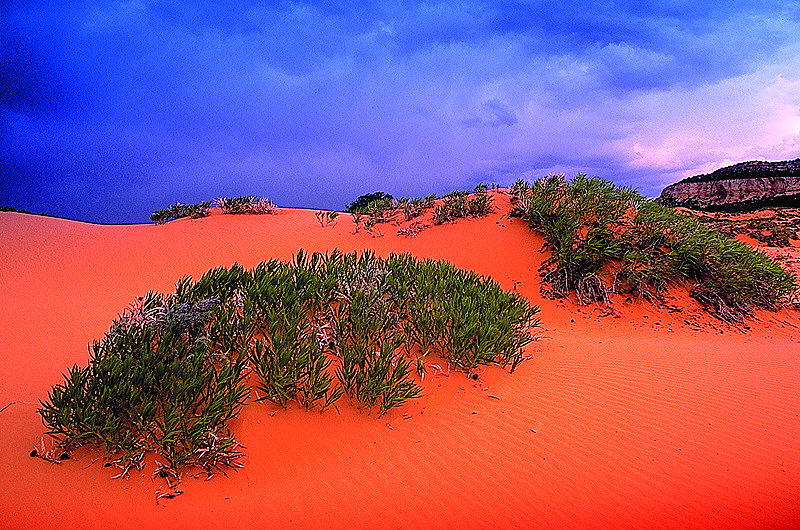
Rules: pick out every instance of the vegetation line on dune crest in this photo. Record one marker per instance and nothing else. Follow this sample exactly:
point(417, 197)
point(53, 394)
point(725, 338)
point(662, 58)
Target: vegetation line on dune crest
point(246, 204)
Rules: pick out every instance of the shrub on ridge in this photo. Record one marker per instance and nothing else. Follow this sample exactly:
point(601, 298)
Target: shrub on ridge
point(607, 239)
point(179, 211)
point(246, 204)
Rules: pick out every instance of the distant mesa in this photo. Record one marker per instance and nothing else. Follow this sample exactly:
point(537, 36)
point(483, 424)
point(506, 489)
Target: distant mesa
point(744, 186)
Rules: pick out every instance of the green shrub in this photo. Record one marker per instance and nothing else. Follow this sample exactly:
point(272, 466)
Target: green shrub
point(479, 205)
point(380, 207)
point(445, 312)
point(180, 210)
point(608, 239)
point(373, 370)
point(362, 202)
point(246, 204)
point(325, 218)
point(287, 356)
point(414, 207)
point(152, 386)
point(169, 374)
point(456, 194)
point(160, 216)
point(457, 204)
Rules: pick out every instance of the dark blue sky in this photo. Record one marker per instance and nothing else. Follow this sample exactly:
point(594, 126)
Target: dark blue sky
point(110, 110)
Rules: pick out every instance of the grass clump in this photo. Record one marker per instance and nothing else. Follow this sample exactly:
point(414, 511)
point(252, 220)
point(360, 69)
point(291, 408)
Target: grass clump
point(414, 206)
point(608, 239)
point(153, 384)
point(376, 208)
point(179, 210)
point(235, 205)
point(287, 356)
point(373, 370)
point(246, 204)
point(446, 308)
point(457, 204)
point(174, 370)
point(326, 218)
point(362, 202)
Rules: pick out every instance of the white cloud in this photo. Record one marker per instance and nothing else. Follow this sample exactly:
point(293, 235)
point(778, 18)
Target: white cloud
point(686, 131)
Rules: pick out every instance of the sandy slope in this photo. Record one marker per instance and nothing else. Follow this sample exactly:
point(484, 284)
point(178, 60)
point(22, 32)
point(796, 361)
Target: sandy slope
point(644, 418)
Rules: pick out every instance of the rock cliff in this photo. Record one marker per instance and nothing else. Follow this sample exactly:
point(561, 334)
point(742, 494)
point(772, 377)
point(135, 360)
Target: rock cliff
point(741, 186)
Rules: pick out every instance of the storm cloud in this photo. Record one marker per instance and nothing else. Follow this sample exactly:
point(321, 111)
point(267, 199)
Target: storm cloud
point(111, 110)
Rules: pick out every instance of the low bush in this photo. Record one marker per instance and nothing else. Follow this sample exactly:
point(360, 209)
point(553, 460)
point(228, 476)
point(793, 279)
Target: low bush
point(373, 370)
point(383, 208)
point(479, 205)
point(413, 207)
point(179, 210)
point(462, 203)
point(446, 310)
point(170, 373)
point(153, 384)
point(362, 202)
point(236, 205)
point(325, 218)
point(246, 204)
point(376, 208)
point(607, 239)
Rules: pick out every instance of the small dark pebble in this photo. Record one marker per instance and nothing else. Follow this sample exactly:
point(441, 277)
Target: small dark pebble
point(162, 473)
point(474, 377)
point(107, 464)
point(34, 453)
point(64, 456)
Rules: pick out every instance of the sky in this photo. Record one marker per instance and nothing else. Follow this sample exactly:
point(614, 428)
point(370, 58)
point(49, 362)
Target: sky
point(111, 110)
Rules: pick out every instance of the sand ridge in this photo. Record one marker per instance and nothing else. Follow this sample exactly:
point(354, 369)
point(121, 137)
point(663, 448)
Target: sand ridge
point(644, 416)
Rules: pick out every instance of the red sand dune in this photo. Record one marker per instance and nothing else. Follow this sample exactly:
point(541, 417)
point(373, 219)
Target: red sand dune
point(644, 418)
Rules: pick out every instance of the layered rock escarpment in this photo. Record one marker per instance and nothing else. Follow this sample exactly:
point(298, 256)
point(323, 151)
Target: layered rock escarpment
point(742, 186)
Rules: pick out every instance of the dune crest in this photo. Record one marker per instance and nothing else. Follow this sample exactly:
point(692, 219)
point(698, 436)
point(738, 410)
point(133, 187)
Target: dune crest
point(630, 416)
